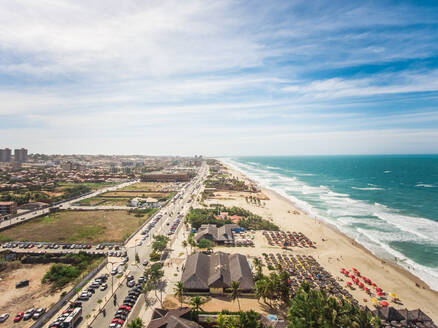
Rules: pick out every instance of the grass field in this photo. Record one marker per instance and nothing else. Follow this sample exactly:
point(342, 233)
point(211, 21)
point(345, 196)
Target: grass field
point(132, 194)
point(76, 227)
point(92, 186)
point(143, 186)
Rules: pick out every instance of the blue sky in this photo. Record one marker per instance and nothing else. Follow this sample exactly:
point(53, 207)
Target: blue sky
point(219, 77)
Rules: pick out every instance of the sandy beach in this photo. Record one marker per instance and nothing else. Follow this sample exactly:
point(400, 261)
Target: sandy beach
point(334, 250)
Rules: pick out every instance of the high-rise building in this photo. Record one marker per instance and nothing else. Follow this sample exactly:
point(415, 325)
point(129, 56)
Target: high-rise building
point(7, 208)
point(20, 155)
point(5, 155)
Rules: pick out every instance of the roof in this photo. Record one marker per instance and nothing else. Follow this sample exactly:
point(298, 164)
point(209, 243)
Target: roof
point(169, 318)
point(175, 322)
point(221, 234)
point(218, 270)
point(7, 203)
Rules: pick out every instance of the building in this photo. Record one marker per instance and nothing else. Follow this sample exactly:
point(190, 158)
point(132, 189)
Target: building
point(145, 202)
point(177, 177)
point(5, 155)
point(8, 208)
point(214, 273)
point(20, 155)
point(67, 166)
point(221, 235)
point(175, 318)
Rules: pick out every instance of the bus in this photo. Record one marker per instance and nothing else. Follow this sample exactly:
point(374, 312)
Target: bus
point(72, 320)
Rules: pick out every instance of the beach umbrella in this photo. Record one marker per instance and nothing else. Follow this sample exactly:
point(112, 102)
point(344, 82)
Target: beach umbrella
point(379, 289)
point(384, 303)
point(373, 284)
point(349, 283)
point(354, 269)
point(393, 295)
point(380, 294)
point(375, 301)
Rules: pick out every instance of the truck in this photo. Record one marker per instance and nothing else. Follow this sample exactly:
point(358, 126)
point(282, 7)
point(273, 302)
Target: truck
point(73, 319)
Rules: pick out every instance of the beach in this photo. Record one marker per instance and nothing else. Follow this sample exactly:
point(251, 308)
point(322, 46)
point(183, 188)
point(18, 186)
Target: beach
point(334, 250)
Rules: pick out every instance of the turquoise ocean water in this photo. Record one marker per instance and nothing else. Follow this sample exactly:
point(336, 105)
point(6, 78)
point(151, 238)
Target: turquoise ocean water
point(389, 204)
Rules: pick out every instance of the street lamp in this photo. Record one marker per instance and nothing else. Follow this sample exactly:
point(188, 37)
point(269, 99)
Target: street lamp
point(112, 276)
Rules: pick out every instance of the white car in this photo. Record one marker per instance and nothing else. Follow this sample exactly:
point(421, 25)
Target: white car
point(4, 317)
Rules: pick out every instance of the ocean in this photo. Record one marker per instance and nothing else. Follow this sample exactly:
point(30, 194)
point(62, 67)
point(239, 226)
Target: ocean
point(389, 204)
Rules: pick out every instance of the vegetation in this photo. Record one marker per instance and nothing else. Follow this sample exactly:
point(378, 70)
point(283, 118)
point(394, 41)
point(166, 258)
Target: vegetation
point(196, 302)
point(235, 292)
point(179, 292)
point(250, 319)
point(153, 275)
point(199, 216)
point(135, 323)
point(205, 244)
point(60, 274)
point(314, 308)
point(87, 227)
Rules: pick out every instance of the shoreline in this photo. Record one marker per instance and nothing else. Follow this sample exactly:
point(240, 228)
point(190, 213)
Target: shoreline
point(412, 290)
point(354, 243)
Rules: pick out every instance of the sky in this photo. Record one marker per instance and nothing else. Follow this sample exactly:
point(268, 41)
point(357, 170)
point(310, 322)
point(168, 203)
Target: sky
point(219, 78)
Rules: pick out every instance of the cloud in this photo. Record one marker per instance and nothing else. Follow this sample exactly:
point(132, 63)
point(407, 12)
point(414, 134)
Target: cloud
point(213, 76)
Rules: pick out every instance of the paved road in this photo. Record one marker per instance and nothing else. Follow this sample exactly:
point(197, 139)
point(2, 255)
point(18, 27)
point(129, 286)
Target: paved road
point(64, 205)
point(170, 214)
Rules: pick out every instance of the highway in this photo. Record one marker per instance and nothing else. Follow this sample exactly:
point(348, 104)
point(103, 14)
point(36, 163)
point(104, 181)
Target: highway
point(169, 213)
point(64, 205)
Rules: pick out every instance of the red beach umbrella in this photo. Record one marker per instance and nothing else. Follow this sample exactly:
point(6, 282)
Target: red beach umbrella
point(384, 303)
point(380, 293)
point(379, 289)
point(373, 284)
point(349, 283)
point(351, 276)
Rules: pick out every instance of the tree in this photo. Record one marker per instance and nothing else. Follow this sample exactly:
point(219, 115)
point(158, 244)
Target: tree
point(235, 292)
point(179, 292)
point(153, 276)
point(135, 323)
point(258, 267)
point(196, 302)
point(185, 244)
point(314, 308)
point(205, 243)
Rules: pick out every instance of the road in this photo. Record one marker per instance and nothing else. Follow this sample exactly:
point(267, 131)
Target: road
point(170, 214)
point(64, 205)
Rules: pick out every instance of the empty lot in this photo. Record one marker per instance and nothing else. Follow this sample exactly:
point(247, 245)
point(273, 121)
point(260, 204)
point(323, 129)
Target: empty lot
point(88, 227)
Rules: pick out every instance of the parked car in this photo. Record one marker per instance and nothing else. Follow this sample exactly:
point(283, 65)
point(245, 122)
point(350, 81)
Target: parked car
point(19, 316)
point(4, 317)
point(22, 283)
point(130, 283)
point(114, 272)
point(103, 287)
point(29, 313)
point(38, 313)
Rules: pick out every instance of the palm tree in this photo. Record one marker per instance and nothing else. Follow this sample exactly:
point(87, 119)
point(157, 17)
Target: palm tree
point(258, 268)
point(185, 244)
point(235, 292)
point(179, 292)
point(135, 323)
point(196, 302)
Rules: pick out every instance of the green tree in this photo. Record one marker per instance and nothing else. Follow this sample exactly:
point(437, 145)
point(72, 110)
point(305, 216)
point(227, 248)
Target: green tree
point(196, 302)
point(179, 292)
point(135, 323)
point(258, 268)
point(314, 308)
point(205, 243)
point(235, 292)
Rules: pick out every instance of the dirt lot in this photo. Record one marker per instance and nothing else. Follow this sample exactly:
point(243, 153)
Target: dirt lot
point(219, 303)
point(76, 227)
point(36, 295)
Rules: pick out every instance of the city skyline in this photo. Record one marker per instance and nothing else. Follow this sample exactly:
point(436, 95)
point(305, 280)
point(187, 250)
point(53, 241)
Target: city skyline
point(219, 79)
